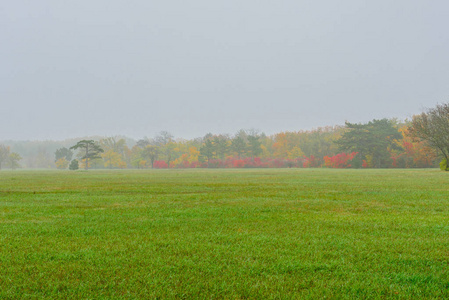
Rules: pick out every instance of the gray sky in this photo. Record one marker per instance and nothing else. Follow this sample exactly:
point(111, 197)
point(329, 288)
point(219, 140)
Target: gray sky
point(76, 68)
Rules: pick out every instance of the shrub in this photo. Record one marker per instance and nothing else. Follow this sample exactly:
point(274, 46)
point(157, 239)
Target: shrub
point(160, 164)
point(74, 165)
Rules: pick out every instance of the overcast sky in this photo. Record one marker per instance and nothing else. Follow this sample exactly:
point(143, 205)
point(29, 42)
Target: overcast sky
point(107, 67)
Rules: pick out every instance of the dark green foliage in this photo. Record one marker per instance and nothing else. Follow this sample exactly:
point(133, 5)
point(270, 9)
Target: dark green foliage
point(143, 143)
point(238, 146)
point(63, 153)
point(74, 165)
point(254, 145)
point(357, 161)
point(374, 139)
point(220, 145)
point(207, 150)
point(89, 150)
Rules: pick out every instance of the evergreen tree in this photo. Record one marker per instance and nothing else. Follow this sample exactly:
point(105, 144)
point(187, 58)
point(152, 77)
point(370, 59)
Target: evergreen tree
point(373, 141)
point(74, 165)
point(63, 153)
point(89, 150)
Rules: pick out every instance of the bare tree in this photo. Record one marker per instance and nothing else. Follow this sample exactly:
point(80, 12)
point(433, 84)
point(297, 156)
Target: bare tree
point(151, 152)
point(432, 126)
point(166, 145)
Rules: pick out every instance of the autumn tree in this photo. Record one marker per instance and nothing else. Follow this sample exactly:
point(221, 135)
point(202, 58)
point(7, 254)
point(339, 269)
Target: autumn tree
point(151, 153)
point(63, 156)
point(114, 144)
point(187, 153)
point(62, 163)
point(187, 159)
point(113, 159)
point(115, 151)
point(13, 160)
point(164, 140)
point(280, 145)
point(415, 153)
point(139, 157)
point(111, 143)
point(168, 150)
point(287, 145)
point(89, 150)
point(8, 158)
point(136, 158)
point(432, 126)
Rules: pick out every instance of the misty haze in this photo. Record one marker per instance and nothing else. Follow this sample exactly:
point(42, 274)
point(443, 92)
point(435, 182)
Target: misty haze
point(78, 68)
point(224, 149)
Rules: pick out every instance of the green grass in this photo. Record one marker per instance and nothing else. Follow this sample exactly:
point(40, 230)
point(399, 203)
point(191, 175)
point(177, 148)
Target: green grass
point(236, 234)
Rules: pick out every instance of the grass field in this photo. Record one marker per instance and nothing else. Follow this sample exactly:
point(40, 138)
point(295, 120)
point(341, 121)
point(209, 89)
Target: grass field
point(237, 234)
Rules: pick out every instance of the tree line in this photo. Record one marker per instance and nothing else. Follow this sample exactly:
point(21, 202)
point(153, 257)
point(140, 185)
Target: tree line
point(422, 142)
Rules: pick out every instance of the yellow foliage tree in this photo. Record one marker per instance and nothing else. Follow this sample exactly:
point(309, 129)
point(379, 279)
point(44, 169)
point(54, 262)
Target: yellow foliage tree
point(83, 164)
point(280, 146)
point(193, 154)
point(143, 164)
point(62, 163)
point(369, 161)
point(113, 159)
point(296, 152)
point(417, 153)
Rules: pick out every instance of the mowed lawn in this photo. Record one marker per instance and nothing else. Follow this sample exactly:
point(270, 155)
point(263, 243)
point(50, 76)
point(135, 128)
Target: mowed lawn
point(236, 234)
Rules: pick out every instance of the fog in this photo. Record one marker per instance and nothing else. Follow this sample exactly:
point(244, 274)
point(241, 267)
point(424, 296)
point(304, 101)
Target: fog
point(134, 68)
